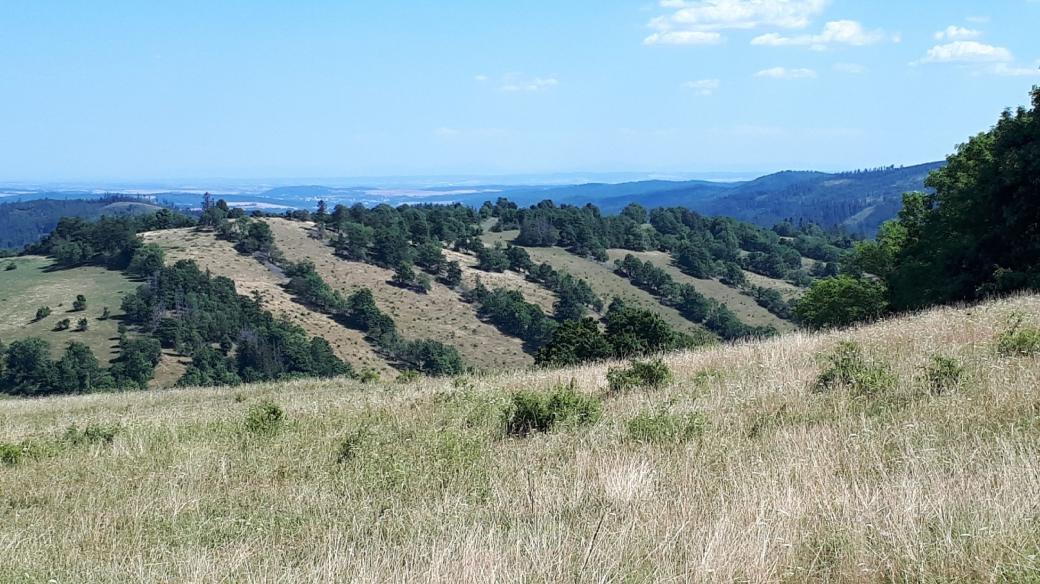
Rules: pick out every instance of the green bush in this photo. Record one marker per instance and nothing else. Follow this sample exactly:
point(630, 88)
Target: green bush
point(408, 376)
point(530, 411)
point(847, 368)
point(944, 374)
point(10, 454)
point(1019, 340)
point(265, 417)
point(369, 376)
point(662, 427)
point(43, 312)
point(641, 374)
point(10, 266)
point(91, 434)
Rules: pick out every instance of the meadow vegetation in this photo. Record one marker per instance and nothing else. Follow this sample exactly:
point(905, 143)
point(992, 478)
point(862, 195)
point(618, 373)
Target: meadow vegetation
point(906, 450)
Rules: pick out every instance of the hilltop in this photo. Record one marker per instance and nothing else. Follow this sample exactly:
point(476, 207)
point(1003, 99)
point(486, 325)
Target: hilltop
point(742, 466)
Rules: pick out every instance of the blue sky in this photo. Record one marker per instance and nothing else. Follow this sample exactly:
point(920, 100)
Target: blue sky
point(111, 90)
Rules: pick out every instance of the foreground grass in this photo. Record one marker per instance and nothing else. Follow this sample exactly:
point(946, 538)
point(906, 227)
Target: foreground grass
point(740, 468)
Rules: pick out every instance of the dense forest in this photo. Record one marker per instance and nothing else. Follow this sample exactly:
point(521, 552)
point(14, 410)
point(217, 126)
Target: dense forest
point(26, 222)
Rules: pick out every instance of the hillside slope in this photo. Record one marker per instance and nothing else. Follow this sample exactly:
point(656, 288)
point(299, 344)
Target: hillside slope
point(765, 479)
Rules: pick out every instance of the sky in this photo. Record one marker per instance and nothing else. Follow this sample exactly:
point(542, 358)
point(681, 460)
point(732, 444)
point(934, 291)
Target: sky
point(130, 90)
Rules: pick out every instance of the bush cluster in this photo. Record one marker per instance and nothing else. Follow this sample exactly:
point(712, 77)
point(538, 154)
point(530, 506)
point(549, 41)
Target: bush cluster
point(530, 411)
point(640, 374)
point(1019, 340)
point(265, 417)
point(847, 368)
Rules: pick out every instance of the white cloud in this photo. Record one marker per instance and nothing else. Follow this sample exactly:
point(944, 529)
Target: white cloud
point(850, 68)
point(516, 83)
point(837, 32)
point(957, 33)
point(785, 73)
point(708, 16)
point(683, 37)
point(703, 87)
point(967, 52)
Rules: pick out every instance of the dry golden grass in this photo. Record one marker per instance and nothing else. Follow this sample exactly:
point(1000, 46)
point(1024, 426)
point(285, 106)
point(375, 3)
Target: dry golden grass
point(783, 483)
point(221, 259)
point(440, 314)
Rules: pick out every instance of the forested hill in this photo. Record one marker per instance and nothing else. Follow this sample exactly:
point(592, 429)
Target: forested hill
point(859, 200)
point(26, 222)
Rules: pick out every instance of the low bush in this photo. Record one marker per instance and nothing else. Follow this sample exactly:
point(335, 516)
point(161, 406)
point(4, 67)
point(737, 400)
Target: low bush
point(663, 427)
point(530, 411)
point(408, 376)
point(368, 376)
point(10, 454)
point(847, 368)
point(641, 374)
point(91, 434)
point(944, 374)
point(1019, 340)
point(265, 417)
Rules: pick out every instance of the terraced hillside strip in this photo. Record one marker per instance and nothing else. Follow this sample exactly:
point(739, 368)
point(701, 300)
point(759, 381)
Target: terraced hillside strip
point(532, 291)
point(440, 315)
point(742, 305)
point(37, 282)
point(736, 471)
point(601, 277)
point(221, 259)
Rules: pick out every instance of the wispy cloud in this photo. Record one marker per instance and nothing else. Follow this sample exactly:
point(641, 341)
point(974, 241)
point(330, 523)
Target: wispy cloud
point(517, 83)
point(956, 33)
point(837, 32)
point(850, 68)
point(706, 17)
point(967, 52)
point(703, 87)
point(785, 73)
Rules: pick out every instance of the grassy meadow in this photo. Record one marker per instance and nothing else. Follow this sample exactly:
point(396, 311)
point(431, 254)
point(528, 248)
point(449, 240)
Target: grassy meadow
point(35, 284)
point(750, 463)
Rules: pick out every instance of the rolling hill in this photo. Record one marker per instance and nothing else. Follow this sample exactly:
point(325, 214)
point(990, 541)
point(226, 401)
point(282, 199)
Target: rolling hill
point(25, 222)
point(735, 470)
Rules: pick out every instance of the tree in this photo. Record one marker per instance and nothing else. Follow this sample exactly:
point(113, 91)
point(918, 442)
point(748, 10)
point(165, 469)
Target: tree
point(147, 260)
point(574, 342)
point(62, 325)
point(404, 275)
point(452, 274)
point(80, 304)
point(976, 235)
point(492, 259)
point(78, 371)
point(105, 314)
point(28, 370)
point(42, 313)
point(82, 325)
point(842, 301)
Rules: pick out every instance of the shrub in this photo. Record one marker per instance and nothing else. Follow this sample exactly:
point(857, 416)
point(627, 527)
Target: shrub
point(265, 417)
point(82, 325)
point(11, 266)
point(62, 325)
point(409, 376)
point(944, 374)
point(641, 374)
point(847, 368)
point(80, 304)
point(10, 454)
point(91, 434)
point(531, 411)
point(662, 427)
point(105, 314)
point(1019, 340)
point(351, 445)
point(43, 312)
point(368, 376)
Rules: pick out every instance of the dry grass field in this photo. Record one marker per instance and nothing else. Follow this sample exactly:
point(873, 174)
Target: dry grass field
point(736, 470)
point(440, 314)
point(221, 259)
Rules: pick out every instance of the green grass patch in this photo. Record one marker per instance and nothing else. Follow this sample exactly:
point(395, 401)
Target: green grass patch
point(563, 405)
point(662, 427)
